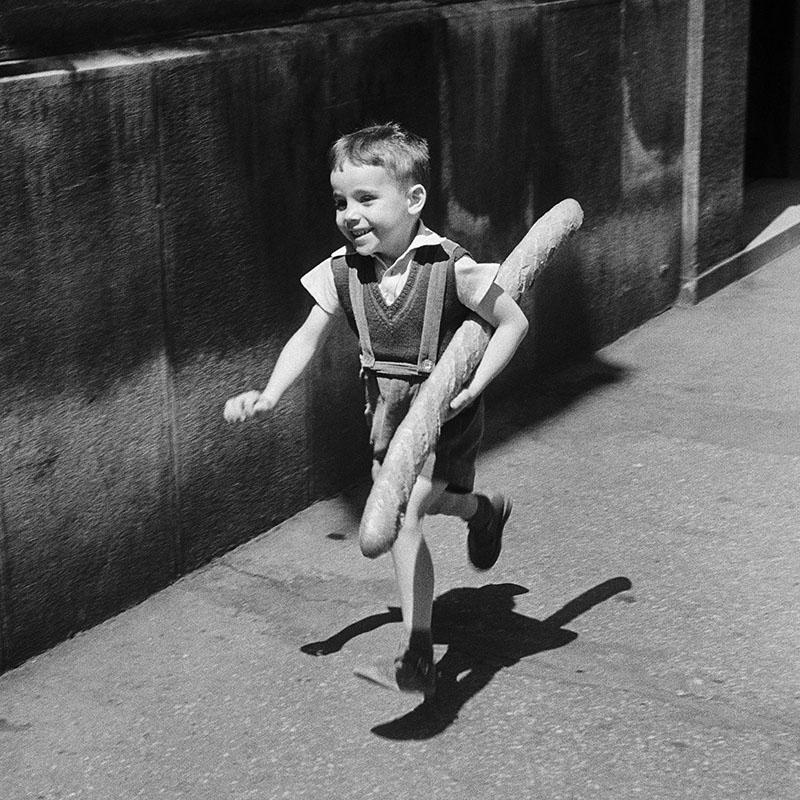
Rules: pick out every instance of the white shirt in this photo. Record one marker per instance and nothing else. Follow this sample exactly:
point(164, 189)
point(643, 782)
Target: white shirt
point(472, 279)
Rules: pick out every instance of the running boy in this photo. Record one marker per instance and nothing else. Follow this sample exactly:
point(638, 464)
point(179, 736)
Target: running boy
point(404, 290)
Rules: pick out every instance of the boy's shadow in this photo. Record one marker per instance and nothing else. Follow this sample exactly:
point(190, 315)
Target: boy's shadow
point(483, 634)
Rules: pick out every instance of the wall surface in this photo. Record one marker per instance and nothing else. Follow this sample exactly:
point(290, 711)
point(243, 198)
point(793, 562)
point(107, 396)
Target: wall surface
point(35, 28)
point(161, 204)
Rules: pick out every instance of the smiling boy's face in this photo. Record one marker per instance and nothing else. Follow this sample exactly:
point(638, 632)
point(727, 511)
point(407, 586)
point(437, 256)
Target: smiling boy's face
point(374, 213)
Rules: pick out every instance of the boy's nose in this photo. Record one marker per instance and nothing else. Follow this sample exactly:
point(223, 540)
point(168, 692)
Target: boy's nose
point(351, 215)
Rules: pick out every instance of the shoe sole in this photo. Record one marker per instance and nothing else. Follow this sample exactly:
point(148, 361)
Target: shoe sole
point(383, 673)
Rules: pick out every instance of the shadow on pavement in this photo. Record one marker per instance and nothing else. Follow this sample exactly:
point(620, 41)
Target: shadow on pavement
point(335, 643)
point(484, 635)
point(519, 401)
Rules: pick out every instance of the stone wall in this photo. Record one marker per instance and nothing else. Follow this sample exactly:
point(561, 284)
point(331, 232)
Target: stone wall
point(160, 205)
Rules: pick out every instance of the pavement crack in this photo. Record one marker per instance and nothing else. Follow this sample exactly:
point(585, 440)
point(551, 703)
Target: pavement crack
point(314, 588)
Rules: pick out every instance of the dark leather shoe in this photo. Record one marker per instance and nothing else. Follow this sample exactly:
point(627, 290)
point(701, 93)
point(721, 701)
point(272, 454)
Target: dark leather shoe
point(485, 537)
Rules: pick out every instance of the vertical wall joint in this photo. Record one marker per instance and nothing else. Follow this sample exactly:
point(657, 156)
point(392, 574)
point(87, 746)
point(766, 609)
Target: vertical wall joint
point(692, 142)
point(166, 358)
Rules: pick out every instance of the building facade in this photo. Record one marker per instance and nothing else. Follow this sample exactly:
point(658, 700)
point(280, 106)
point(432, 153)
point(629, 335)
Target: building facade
point(165, 185)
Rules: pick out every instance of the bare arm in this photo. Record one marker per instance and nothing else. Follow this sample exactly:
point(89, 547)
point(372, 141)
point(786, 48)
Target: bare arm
point(511, 325)
point(292, 361)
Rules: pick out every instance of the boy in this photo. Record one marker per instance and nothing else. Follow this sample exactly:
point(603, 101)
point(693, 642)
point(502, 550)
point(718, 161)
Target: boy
point(404, 290)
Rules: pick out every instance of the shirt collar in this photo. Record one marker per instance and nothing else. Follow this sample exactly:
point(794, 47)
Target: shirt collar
point(423, 238)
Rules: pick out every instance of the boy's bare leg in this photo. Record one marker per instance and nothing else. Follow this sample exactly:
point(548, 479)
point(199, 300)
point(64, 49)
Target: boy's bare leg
point(415, 582)
point(454, 504)
point(412, 559)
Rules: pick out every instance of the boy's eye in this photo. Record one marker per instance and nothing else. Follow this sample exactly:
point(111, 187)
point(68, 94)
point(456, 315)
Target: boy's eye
point(339, 204)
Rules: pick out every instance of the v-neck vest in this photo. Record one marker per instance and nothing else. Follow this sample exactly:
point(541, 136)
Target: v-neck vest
point(395, 329)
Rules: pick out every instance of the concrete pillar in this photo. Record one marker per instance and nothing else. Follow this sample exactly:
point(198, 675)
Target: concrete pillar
point(714, 132)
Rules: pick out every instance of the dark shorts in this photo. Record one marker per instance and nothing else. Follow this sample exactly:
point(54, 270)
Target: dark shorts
point(388, 401)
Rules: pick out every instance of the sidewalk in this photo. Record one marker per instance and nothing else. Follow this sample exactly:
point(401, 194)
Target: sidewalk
point(638, 638)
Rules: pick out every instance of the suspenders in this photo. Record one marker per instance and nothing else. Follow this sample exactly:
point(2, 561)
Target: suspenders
point(429, 341)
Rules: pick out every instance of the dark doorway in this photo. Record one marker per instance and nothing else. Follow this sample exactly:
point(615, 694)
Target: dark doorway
point(773, 95)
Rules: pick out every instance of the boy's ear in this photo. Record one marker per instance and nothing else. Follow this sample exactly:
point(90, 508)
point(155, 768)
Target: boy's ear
point(416, 198)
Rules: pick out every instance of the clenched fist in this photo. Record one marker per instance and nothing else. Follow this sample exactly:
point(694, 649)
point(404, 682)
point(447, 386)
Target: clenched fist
point(246, 406)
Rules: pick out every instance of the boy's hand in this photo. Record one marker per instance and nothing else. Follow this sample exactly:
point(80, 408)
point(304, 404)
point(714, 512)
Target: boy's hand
point(463, 399)
point(246, 406)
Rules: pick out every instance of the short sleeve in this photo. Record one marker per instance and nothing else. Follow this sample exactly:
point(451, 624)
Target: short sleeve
point(319, 283)
point(473, 280)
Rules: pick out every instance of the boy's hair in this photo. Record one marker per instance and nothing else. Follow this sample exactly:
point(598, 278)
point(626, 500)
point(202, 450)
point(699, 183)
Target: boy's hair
point(402, 154)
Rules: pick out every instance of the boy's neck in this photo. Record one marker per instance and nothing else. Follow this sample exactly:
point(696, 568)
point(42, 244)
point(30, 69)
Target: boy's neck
point(388, 259)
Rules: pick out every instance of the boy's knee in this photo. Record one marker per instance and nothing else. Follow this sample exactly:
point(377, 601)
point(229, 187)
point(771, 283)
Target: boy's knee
point(425, 497)
point(437, 504)
point(432, 508)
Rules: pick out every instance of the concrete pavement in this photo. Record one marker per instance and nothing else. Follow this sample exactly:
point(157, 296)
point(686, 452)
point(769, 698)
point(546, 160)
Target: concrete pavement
point(638, 638)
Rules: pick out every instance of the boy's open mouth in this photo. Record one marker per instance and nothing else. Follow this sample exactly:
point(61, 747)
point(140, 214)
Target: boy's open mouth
point(356, 234)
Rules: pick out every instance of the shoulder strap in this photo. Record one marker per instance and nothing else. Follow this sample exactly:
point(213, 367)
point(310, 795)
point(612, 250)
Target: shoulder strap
point(434, 303)
point(357, 301)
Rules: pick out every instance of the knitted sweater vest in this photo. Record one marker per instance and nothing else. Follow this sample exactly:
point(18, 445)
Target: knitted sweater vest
point(395, 329)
